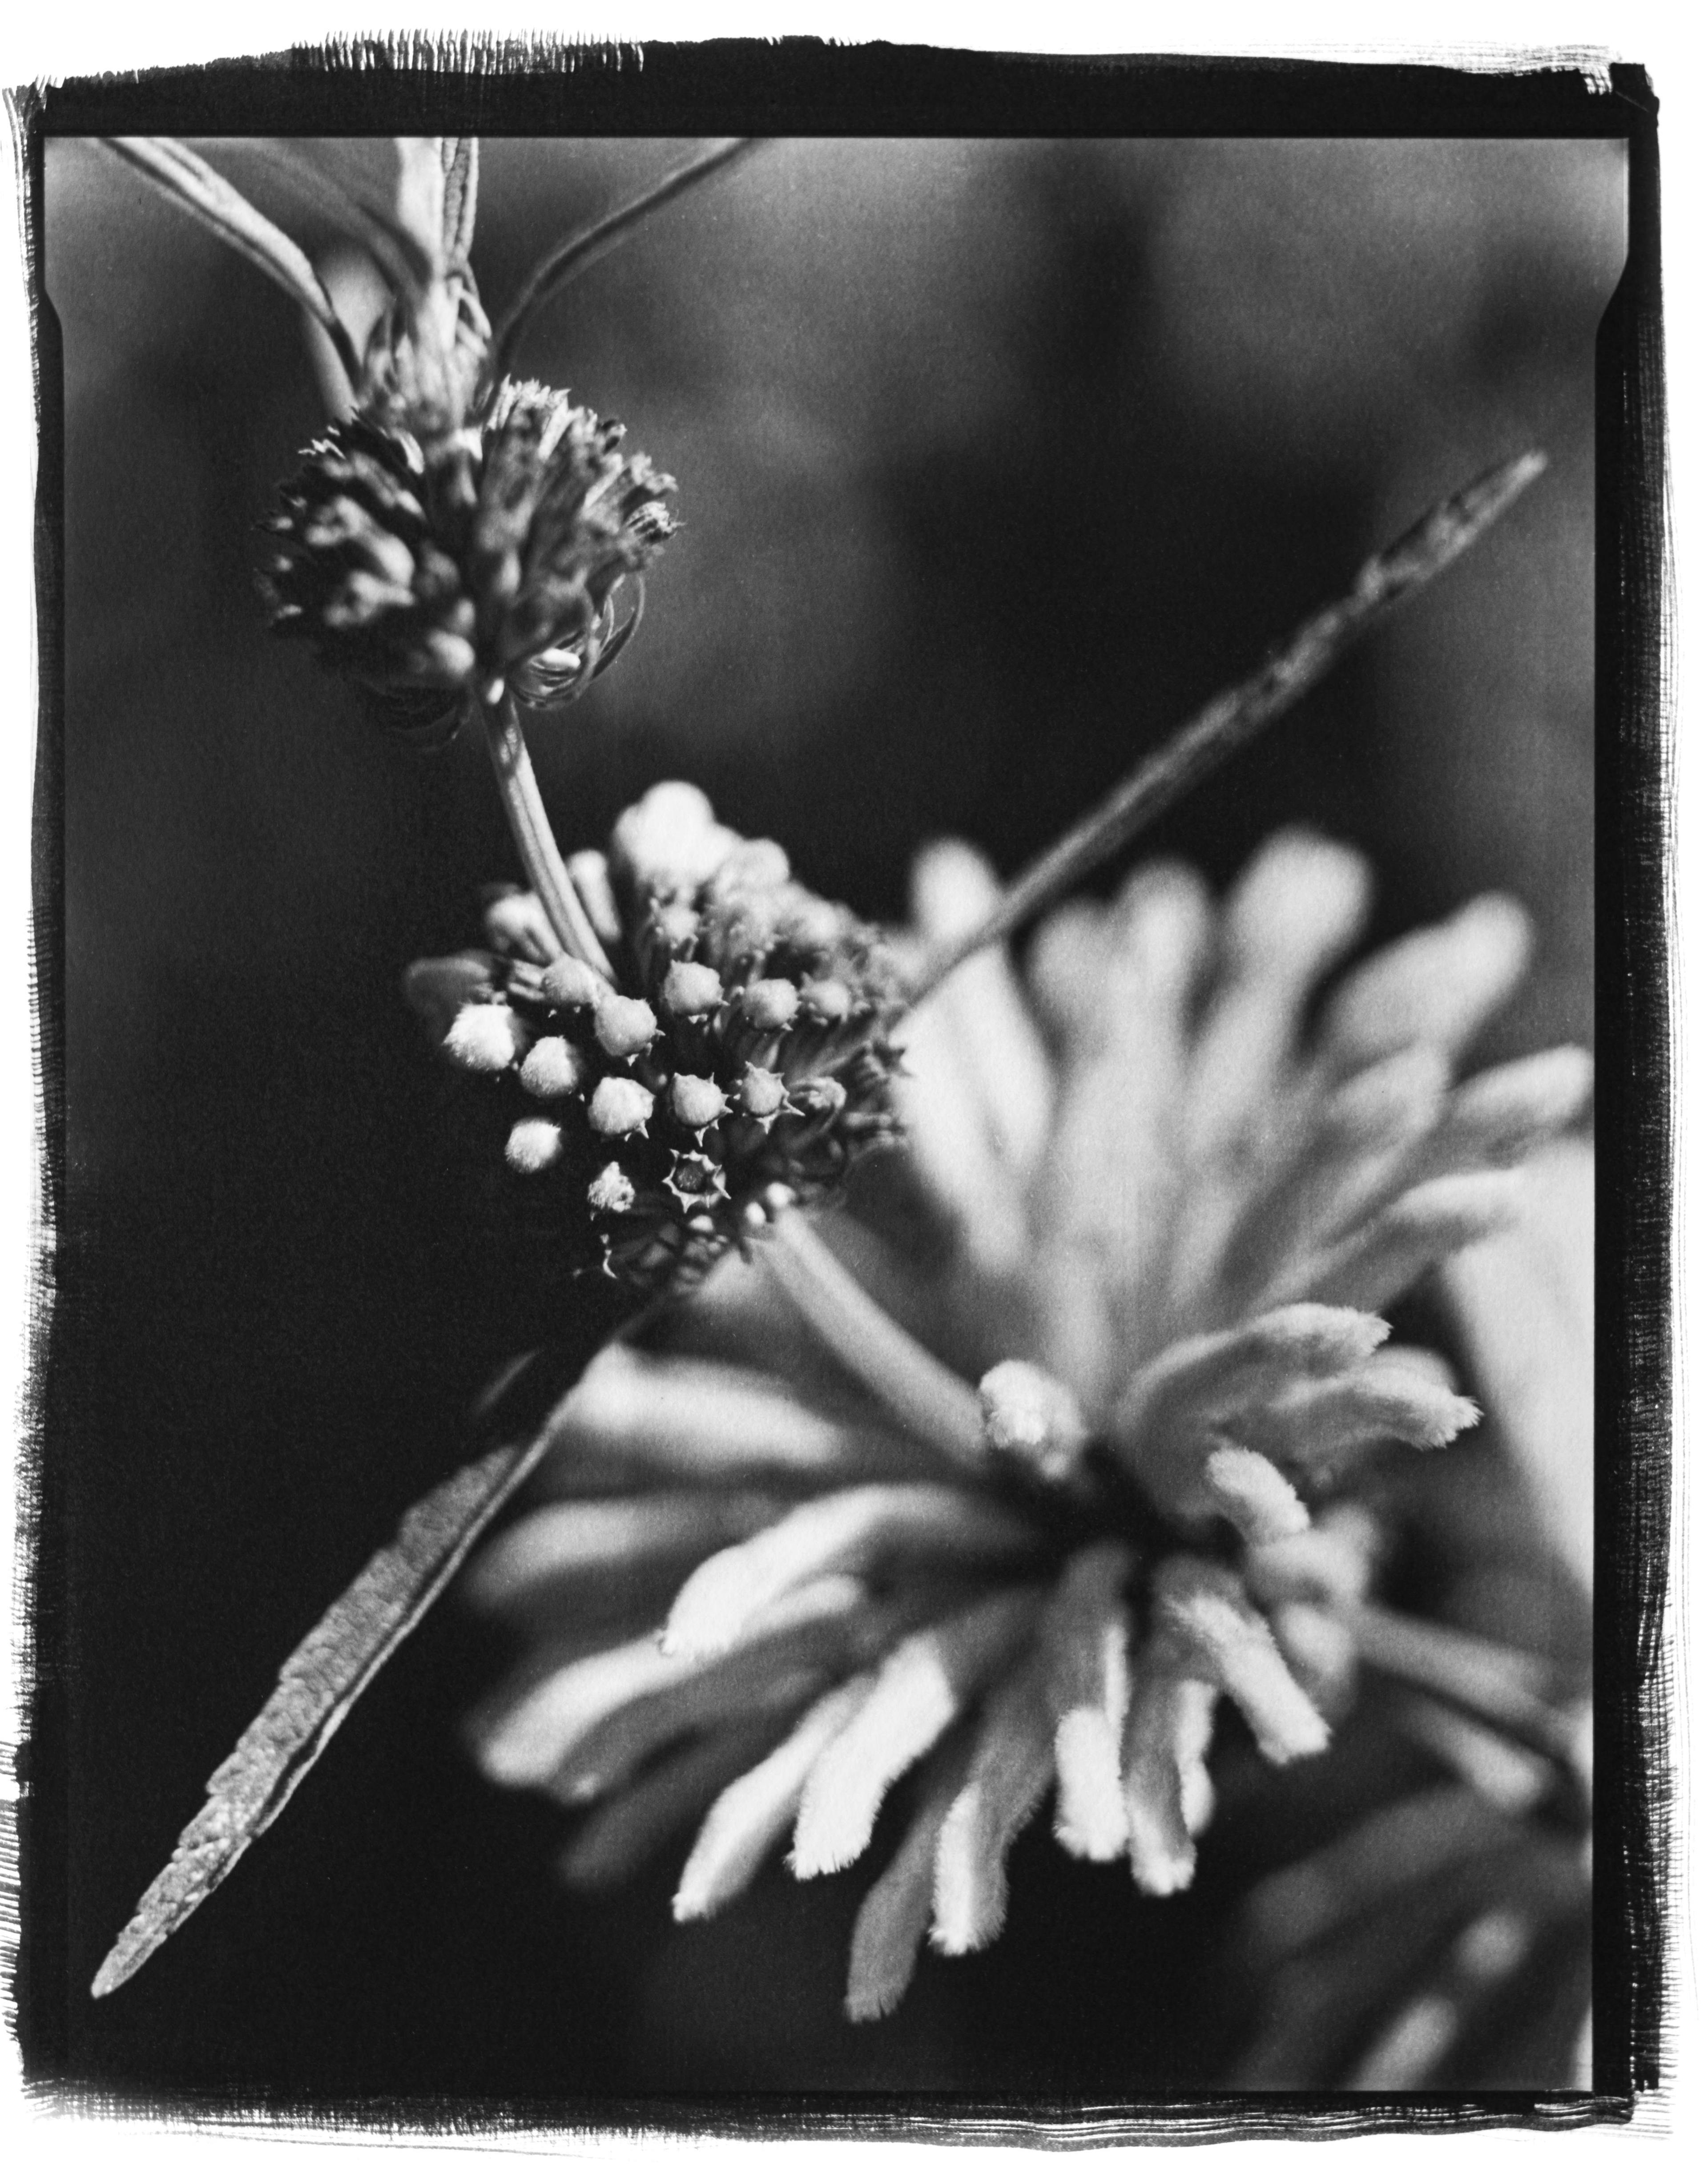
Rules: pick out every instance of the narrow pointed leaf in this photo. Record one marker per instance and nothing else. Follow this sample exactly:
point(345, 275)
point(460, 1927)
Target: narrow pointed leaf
point(354, 207)
point(418, 201)
point(317, 1686)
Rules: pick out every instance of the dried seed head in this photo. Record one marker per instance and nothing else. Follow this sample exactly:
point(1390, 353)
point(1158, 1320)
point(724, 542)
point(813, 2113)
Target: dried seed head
point(431, 556)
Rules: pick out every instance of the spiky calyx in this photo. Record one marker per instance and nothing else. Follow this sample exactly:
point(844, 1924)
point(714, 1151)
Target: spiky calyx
point(435, 561)
point(735, 1063)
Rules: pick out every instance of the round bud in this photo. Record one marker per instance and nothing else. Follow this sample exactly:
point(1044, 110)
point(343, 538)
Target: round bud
point(743, 929)
point(517, 924)
point(486, 1036)
point(1033, 1421)
point(754, 867)
point(450, 658)
point(676, 925)
point(620, 1107)
point(534, 1144)
point(828, 998)
point(611, 1190)
point(553, 1069)
point(820, 1095)
point(691, 989)
point(569, 982)
point(760, 1092)
point(670, 841)
point(504, 576)
point(624, 1026)
point(387, 555)
point(440, 989)
point(811, 924)
point(769, 1004)
point(696, 1101)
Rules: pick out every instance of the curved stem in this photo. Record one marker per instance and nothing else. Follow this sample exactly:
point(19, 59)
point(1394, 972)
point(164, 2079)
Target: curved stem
point(1234, 716)
point(531, 829)
point(1491, 1681)
point(590, 244)
point(933, 1402)
point(209, 199)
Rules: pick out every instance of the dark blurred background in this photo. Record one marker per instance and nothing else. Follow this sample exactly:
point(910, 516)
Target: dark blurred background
point(995, 458)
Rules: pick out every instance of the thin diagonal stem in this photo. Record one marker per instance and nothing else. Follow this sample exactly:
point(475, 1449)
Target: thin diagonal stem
point(1494, 1683)
point(1235, 716)
point(933, 1402)
point(531, 830)
point(590, 244)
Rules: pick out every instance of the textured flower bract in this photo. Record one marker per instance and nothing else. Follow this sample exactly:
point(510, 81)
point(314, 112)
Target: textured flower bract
point(449, 541)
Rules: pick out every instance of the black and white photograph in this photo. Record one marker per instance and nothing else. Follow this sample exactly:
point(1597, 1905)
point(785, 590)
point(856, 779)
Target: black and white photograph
point(824, 921)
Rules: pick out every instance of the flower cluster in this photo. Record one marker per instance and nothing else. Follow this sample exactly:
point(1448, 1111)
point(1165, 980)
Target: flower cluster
point(727, 1059)
point(457, 537)
point(1097, 1470)
point(467, 563)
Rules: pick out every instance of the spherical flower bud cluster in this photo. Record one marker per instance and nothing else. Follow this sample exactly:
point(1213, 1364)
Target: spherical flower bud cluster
point(737, 1060)
point(433, 556)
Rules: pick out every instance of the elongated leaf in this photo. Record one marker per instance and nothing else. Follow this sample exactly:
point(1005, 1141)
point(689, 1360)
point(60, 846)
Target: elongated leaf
point(353, 205)
point(317, 1685)
point(211, 200)
point(418, 205)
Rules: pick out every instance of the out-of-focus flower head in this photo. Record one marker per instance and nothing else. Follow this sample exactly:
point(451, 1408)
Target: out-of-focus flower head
point(731, 1064)
point(1110, 1364)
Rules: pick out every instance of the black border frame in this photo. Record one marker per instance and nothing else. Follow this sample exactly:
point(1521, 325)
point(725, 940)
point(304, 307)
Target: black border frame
point(802, 87)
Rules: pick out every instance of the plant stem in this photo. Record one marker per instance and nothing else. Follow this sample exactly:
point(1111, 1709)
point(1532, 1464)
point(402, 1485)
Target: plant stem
point(1236, 715)
point(205, 194)
point(931, 1400)
point(531, 829)
point(1487, 1680)
point(590, 244)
